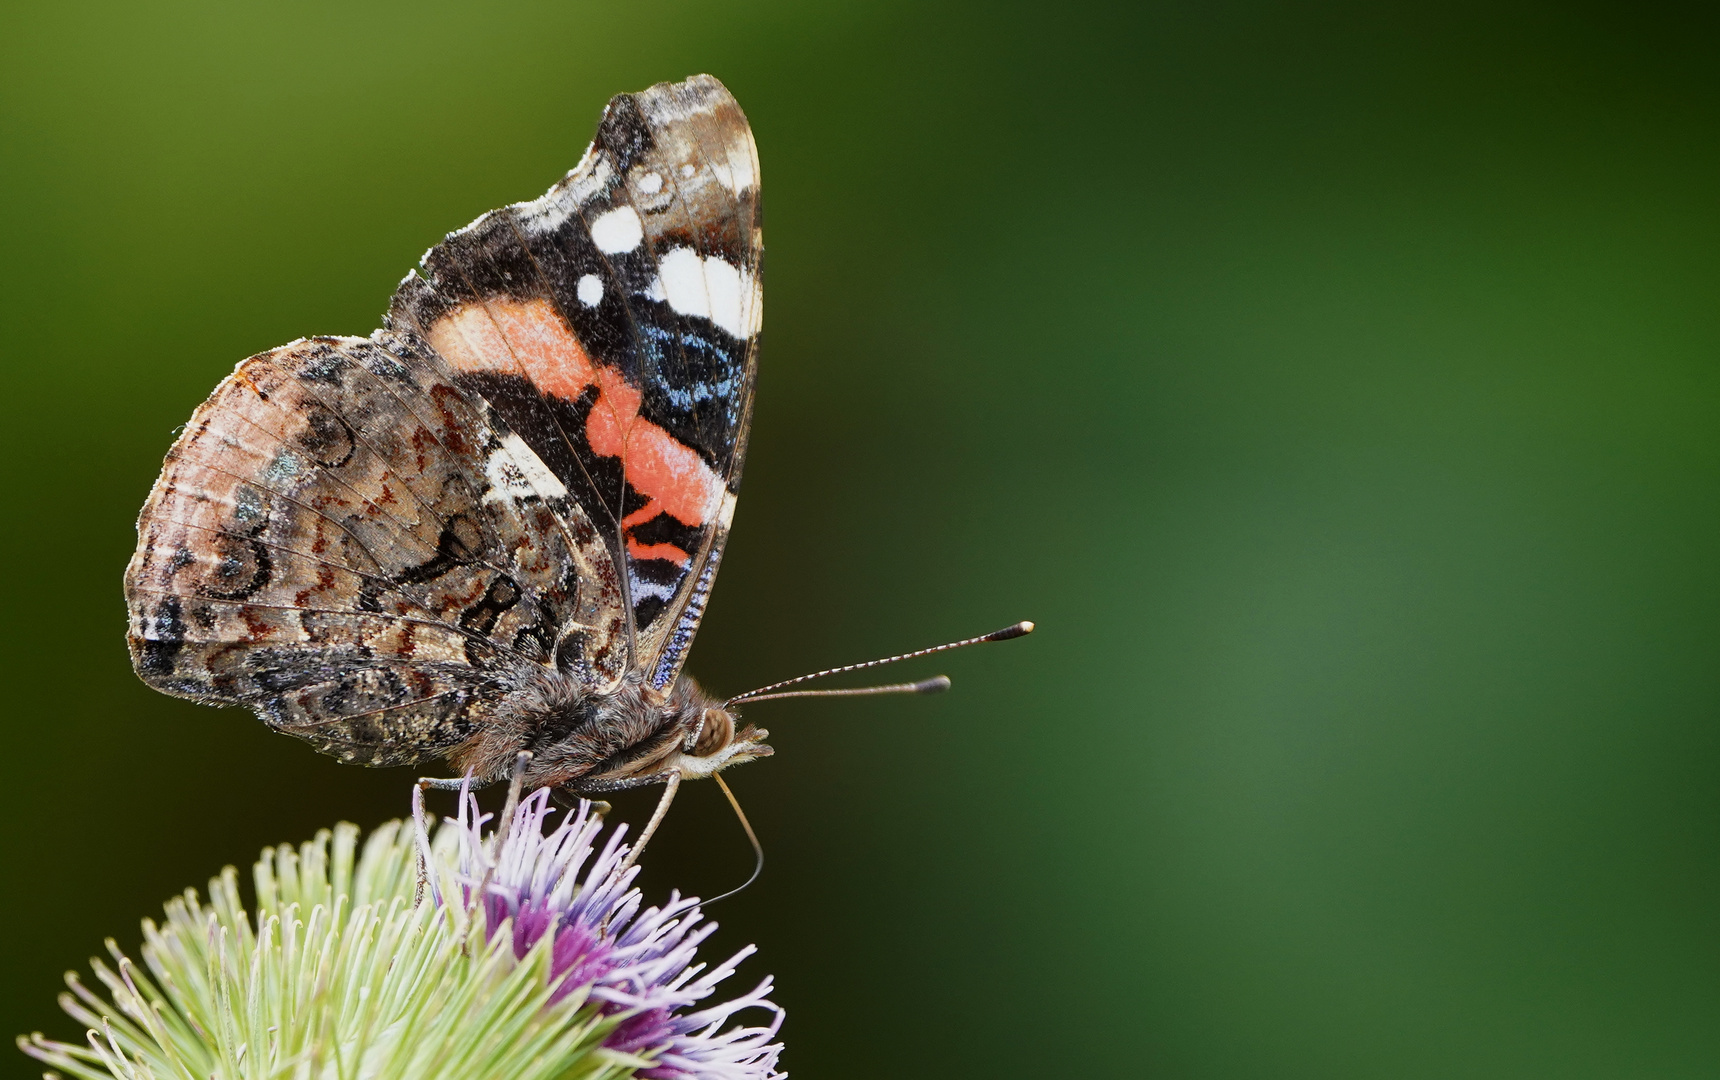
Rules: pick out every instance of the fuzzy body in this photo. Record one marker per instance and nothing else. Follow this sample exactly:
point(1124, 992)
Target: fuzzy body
point(591, 744)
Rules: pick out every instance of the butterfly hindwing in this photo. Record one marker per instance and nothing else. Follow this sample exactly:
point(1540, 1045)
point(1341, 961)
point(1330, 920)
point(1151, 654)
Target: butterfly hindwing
point(340, 541)
point(613, 324)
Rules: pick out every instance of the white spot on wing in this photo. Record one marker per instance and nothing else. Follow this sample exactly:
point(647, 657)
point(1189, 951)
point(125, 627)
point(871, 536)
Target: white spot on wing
point(651, 183)
point(617, 230)
point(741, 163)
point(590, 290)
point(709, 287)
point(516, 472)
point(734, 170)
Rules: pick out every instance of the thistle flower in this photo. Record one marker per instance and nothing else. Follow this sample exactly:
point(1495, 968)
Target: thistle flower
point(635, 965)
point(513, 965)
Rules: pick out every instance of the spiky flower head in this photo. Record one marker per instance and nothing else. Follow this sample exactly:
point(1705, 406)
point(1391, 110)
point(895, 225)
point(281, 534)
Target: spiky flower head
point(529, 957)
point(559, 890)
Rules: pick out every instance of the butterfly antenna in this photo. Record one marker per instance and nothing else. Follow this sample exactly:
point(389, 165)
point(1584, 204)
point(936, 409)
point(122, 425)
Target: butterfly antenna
point(758, 848)
point(935, 685)
point(925, 686)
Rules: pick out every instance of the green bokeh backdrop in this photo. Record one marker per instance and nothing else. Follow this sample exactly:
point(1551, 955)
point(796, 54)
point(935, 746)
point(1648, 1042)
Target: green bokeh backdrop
point(1336, 388)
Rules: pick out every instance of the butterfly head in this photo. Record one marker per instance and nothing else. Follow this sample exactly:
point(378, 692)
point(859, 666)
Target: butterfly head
point(713, 740)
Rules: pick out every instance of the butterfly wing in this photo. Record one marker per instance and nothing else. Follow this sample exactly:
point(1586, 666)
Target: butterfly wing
point(376, 543)
point(613, 325)
point(342, 541)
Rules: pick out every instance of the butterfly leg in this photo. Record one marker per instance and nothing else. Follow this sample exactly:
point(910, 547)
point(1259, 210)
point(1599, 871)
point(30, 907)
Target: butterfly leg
point(445, 783)
point(421, 821)
point(516, 782)
point(586, 789)
point(421, 832)
point(590, 789)
point(672, 785)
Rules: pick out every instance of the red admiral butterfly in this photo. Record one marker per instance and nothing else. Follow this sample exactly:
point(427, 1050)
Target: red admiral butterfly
point(492, 526)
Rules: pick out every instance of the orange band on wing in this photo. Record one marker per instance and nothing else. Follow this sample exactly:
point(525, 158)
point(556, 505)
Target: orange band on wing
point(656, 551)
point(528, 338)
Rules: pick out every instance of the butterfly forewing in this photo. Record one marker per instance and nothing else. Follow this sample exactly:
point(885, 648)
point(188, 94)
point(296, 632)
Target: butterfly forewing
point(614, 324)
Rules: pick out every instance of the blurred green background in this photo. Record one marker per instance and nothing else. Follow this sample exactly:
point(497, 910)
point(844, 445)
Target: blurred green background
point(1336, 387)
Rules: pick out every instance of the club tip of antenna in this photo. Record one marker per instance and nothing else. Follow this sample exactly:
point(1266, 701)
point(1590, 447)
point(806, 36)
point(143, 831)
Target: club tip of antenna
point(935, 685)
point(1020, 629)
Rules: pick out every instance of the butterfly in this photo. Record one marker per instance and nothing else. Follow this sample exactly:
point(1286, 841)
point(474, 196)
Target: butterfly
point(488, 531)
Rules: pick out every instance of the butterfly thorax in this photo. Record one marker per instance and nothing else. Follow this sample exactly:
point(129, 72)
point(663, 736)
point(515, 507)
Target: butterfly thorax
point(590, 743)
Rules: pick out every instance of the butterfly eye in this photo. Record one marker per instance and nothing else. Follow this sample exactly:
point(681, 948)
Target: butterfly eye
point(717, 731)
